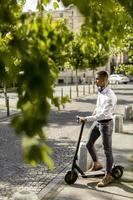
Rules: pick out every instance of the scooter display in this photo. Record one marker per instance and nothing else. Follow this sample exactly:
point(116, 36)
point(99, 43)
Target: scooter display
point(72, 175)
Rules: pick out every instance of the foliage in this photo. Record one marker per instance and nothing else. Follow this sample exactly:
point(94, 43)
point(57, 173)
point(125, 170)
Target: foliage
point(128, 5)
point(95, 51)
point(75, 54)
point(128, 44)
point(124, 69)
point(126, 48)
point(30, 45)
point(86, 50)
point(104, 30)
point(108, 18)
point(86, 6)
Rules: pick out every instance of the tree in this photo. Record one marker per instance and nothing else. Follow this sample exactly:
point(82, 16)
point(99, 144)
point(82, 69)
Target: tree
point(31, 44)
point(75, 56)
point(95, 50)
point(124, 69)
point(128, 44)
point(126, 48)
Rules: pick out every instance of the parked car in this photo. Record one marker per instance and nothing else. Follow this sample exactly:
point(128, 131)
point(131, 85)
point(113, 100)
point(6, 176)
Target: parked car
point(118, 78)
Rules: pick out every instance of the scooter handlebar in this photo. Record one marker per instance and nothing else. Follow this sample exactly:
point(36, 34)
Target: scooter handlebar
point(78, 118)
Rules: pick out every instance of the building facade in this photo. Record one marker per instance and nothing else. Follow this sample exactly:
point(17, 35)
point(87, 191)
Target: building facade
point(74, 18)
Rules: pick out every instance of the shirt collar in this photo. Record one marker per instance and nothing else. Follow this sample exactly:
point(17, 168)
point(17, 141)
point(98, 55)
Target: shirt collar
point(104, 90)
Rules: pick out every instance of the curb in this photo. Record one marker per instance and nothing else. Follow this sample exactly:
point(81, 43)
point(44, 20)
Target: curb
point(9, 117)
point(57, 184)
point(54, 187)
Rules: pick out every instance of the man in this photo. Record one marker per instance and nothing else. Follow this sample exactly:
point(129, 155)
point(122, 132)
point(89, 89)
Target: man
point(103, 125)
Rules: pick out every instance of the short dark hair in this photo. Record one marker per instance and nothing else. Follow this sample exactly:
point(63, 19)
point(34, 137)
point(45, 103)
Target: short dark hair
point(103, 74)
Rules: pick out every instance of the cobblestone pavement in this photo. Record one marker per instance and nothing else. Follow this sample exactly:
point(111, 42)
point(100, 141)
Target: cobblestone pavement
point(15, 175)
point(61, 136)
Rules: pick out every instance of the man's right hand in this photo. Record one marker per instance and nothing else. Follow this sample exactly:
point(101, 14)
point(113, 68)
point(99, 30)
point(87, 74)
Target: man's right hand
point(82, 119)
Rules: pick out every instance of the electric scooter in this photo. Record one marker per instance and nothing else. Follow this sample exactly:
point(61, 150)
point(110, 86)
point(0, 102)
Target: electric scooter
point(72, 175)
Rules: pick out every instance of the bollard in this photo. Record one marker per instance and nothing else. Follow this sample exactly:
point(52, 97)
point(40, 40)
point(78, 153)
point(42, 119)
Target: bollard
point(7, 105)
point(70, 92)
point(84, 158)
point(77, 89)
point(118, 123)
point(24, 195)
point(93, 87)
point(61, 92)
point(128, 113)
point(83, 90)
point(131, 158)
point(89, 88)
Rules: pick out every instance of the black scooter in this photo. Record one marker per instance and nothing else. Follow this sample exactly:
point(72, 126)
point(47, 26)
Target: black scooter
point(72, 175)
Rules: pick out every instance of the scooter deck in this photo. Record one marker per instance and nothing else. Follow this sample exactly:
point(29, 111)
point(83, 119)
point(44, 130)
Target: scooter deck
point(88, 174)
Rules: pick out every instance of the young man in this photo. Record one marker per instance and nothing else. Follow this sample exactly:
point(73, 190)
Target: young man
point(103, 125)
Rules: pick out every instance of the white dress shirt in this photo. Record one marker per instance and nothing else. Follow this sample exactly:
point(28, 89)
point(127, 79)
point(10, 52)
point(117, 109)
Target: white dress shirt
point(106, 101)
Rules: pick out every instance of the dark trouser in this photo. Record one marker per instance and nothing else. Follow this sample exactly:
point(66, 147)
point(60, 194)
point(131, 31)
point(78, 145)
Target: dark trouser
point(104, 129)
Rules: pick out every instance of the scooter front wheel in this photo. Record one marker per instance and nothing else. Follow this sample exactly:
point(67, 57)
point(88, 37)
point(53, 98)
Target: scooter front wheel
point(71, 177)
point(117, 172)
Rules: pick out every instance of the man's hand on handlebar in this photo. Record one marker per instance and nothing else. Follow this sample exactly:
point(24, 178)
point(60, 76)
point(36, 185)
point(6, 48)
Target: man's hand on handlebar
point(82, 119)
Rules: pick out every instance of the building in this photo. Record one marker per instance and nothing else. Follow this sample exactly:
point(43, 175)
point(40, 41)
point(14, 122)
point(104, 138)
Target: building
point(74, 18)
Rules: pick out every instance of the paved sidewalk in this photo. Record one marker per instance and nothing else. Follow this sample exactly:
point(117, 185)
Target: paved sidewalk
point(15, 175)
point(122, 189)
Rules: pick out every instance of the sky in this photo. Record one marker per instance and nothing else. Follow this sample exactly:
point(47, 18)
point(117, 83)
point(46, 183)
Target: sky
point(31, 5)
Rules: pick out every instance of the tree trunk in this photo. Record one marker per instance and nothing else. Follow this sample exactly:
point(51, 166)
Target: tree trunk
point(93, 82)
point(5, 94)
point(6, 100)
point(77, 82)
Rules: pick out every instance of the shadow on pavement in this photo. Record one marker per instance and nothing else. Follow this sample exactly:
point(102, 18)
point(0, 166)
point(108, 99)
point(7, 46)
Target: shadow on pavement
point(87, 100)
point(127, 133)
point(118, 184)
point(122, 93)
point(118, 89)
point(65, 117)
point(124, 102)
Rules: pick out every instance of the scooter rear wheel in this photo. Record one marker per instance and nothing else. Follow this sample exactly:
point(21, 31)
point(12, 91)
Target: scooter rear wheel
point(117, 172)
point(71, 177)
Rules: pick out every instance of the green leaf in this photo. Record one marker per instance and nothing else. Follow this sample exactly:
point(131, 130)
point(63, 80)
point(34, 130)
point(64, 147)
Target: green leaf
point(55, 5)
point(45, 2)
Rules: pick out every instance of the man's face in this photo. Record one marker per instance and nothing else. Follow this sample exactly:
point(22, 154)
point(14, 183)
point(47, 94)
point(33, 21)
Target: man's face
point(100, 81)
